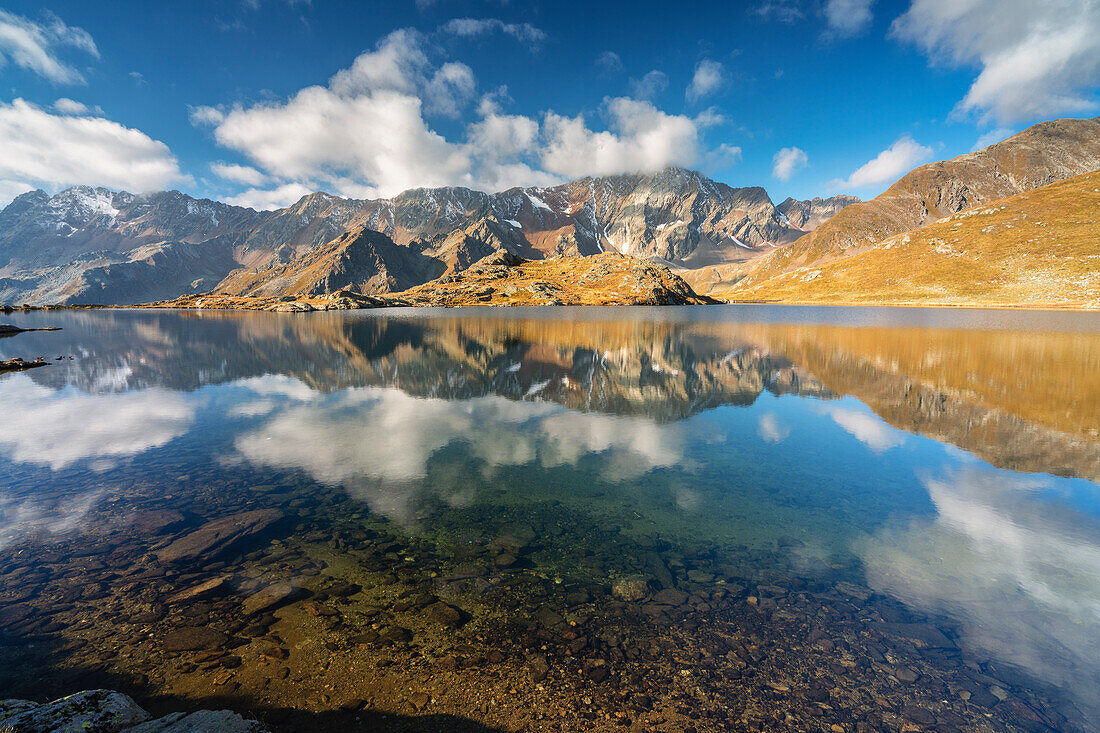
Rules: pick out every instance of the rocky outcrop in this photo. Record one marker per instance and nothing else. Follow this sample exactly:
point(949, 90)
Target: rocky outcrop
point(104, 711)
point(502, 278)
point(809, 215)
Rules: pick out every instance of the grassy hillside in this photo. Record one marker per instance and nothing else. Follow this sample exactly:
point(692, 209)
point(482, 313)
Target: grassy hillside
point(1040, 155)
point(1040, 248)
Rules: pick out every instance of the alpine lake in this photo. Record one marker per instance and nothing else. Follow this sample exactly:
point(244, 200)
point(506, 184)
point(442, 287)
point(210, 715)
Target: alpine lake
point(559, 519)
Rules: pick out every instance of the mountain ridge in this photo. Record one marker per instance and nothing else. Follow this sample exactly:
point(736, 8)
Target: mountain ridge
point(1037, 156)
point(88, 244)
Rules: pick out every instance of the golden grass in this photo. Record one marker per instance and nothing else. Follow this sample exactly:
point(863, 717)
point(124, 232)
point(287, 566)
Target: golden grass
point(1040, 249)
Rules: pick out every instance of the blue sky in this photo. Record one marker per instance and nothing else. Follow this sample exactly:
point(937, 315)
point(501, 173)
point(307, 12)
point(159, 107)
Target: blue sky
point(259, 101)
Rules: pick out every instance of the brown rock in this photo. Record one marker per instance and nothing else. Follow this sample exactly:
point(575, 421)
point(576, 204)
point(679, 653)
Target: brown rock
point(191, 639)
point(218, 535)
point(271, 597)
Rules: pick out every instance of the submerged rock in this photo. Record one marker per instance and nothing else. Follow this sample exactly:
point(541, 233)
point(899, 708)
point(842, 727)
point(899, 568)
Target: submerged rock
point(216, 536)
point(271, 597)
point(192, 639)
point(630, 589)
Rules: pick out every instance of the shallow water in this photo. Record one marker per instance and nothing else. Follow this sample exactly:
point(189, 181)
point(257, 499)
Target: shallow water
point(722, 517)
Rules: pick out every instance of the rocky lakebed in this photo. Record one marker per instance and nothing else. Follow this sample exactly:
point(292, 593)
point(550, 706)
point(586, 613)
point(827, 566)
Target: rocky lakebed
point(318, 616)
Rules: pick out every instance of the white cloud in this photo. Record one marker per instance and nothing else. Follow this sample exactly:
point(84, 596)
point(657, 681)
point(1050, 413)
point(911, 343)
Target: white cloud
point(52, 151)
point(771, 429)
point(245, 174)
point(1035, 59)
point(848, 17)
point(722, 157)
point(609, 63)
point(10, 189)
point(889, 165)
point(709, 77)
point(650, 85)
point(450, 88)
point(641, 137)
point(787, 161)
point(868, 429)
point(270, 199)
point(473, 27)
point(37, 46)
point(785, 11)
point(71, 427)
point(365, 133)
point(70, 106)
point(992, 137)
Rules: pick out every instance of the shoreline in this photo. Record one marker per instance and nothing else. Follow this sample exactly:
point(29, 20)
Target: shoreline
point(1053, 307)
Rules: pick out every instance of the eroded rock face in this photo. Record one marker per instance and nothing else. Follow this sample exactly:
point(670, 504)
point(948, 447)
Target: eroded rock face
point(216, 536)
point(203, 721)
point(92, 710)
point(104, 711)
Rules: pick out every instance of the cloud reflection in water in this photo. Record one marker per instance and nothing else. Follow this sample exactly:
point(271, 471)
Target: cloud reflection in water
point(377, 442)
point(1020, 574)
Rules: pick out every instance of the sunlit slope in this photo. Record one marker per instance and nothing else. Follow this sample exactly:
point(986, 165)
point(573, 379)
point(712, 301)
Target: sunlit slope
point(1040, 248)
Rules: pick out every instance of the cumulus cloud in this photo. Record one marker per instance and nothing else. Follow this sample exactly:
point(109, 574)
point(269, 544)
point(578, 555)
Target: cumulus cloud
point(848, 17)
point(70, 106)
point(450, 88)
point(52, 151)
point(74, 426)
point(897, 160)
point(473, 27)
point(641, 137)
point(709, 77)
point(366, 134)
point(1035, 59)
point(270, 199)
point(787, 161)
point(245, 174)
point(38, 46)
point(650, 85)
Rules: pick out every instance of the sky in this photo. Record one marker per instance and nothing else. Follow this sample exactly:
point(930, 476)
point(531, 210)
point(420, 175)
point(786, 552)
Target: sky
point(258, 102)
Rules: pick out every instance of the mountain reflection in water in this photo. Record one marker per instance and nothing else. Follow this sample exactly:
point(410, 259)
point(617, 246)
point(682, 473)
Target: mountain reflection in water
point(950, 466)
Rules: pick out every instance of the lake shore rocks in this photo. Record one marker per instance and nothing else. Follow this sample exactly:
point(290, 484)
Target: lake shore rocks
point(105, 711)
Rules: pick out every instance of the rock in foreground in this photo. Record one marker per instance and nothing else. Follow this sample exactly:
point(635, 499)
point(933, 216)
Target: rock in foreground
point(105, 711)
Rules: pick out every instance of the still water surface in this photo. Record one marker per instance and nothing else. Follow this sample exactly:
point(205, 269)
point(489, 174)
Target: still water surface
point(769, 517)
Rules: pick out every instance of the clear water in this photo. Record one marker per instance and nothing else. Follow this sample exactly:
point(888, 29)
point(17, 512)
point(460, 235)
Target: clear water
point(946, 461)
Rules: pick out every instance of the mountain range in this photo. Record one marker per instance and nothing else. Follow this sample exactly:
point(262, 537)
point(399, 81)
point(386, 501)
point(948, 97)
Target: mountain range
point(93, 245)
